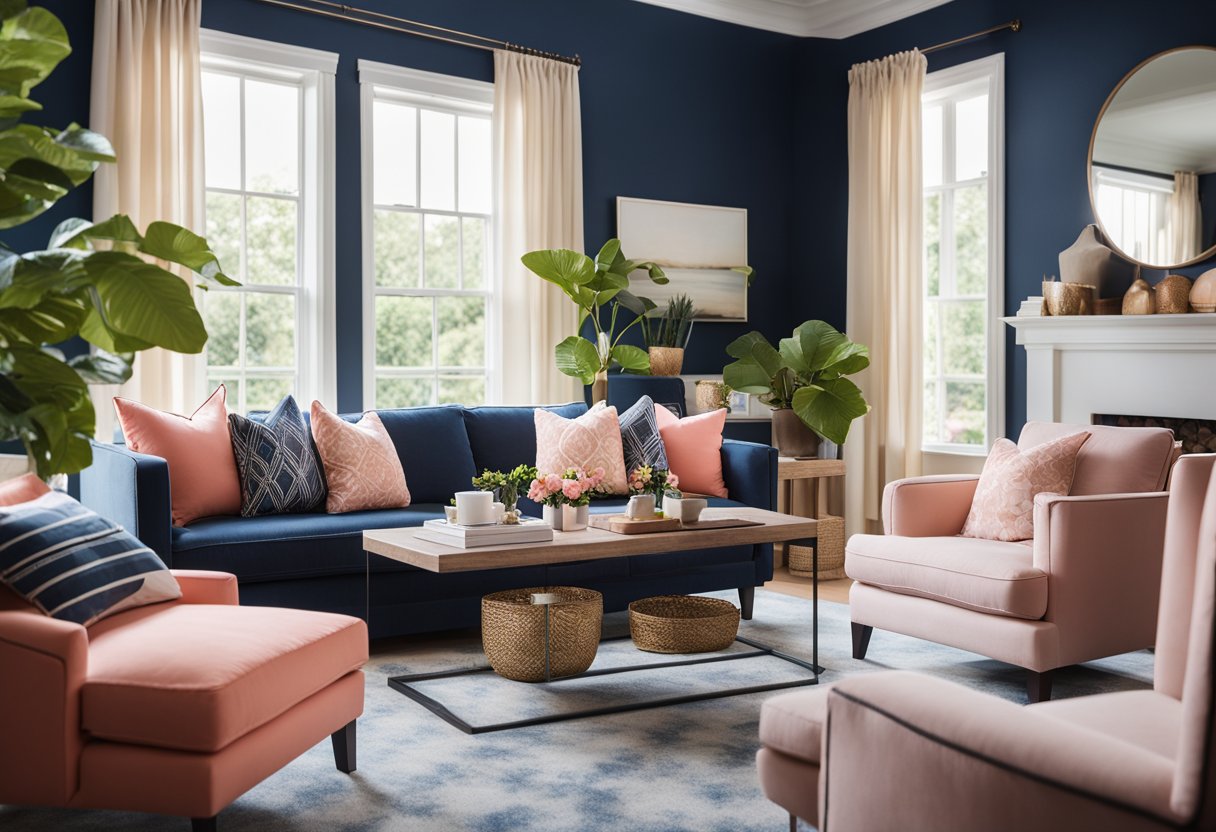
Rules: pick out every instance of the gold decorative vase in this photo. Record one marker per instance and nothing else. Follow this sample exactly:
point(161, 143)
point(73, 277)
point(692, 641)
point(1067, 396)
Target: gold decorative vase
point(666, 361)
point(1068, 298)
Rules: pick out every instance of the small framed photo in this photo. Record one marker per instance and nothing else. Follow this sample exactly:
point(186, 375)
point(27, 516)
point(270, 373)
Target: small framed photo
point(739, 403)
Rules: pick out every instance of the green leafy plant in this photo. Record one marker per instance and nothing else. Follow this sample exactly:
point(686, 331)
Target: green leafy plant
point(673, 327)
point(805, 372)
point(595, 285)
point(96, 280)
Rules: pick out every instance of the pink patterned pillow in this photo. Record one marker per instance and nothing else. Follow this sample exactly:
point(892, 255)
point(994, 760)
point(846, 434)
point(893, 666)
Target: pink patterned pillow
point(591, 441)
point(362, 468)
point(1003, 507)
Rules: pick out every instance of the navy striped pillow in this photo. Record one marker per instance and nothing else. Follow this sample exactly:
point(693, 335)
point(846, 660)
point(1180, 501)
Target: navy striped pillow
point(74, 564)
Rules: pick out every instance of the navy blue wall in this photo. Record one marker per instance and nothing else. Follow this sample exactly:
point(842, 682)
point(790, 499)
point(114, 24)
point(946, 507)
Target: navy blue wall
point(1058, 71)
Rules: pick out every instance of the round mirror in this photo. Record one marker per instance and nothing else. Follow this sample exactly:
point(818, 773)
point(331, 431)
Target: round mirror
point(1152, 160)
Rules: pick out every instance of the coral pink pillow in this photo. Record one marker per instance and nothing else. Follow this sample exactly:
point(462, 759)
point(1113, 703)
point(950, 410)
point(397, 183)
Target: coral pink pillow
point(202, 469)
point(22, 489)
point(694, 449)
point(361, 464)
point(1003, 506)
point(591, 441)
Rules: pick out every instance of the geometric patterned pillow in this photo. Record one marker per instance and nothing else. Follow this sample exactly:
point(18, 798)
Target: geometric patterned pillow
point(640, 436)
point(362, 468)
point(276, 463)
point(590, 441)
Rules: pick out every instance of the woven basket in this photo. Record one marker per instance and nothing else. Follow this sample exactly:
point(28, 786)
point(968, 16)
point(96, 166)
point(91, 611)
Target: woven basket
point(682, 624)
point(513, 632)
point(830, 541)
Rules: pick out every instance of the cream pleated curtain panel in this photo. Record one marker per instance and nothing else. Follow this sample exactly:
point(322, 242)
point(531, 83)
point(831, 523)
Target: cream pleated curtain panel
point(884, 277)
point(1185, 218)
point(538, 147)
point(147, 99)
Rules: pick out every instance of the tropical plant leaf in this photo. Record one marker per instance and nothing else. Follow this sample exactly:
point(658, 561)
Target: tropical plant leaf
point(791, 353)
point(53, 320)
point(561, 266)
point(746, 376)
point(37, 273)
point(101, 367)
point(97, 332)
point(609, 253)
point(635, 303)
point(86, 144)
point(818, 340)
point(846, 359)
point(829, 408)
point(632, 359)
point(14, 105)
point(748, 272)
point(146, 302)
point(78, 233)
point(182, 246)
point(34, 41)
point(11, 8)
point(741, 347)
point(576, 356)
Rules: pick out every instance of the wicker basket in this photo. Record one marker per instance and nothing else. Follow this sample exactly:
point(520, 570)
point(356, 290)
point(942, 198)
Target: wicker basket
point(513, 632)
point(682, 624)
point(830, 540)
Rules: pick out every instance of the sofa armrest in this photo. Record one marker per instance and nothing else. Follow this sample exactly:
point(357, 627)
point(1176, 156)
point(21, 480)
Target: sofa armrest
point(942, 756)
point(934, 506)
point(1102, 554)
point(44, 662)
point(200, 587)
point(750, 472)
point(132, 490)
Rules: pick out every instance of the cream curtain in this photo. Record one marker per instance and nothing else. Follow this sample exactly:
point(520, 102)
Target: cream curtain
point(1185, 222)
point(884, 277)
point(539, 151)
point(147, 99)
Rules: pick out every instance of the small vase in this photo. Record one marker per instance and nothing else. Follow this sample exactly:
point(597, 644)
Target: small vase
point(574, 518)
point(599, 387)
point(791, 436)
point(553, 515)
point(666, 361)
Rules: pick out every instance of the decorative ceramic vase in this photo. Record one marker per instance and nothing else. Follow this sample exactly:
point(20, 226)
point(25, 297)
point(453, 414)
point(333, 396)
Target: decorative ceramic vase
point(1173, 295)
point(599, 387)
point(641, 507)
point(666, 361)
point(1140, 299)
point(574, 518)
point(1090, 261)
point(791, 436)
point(1203, 293)
point(553, 516)
point(1068, 298)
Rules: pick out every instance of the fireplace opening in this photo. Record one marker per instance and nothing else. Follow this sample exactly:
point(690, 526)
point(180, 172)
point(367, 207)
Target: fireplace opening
point(1198, 436)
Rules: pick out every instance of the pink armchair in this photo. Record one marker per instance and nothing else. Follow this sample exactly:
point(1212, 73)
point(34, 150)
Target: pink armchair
point(1084, 588)
point(175, 708)
point(902, 750)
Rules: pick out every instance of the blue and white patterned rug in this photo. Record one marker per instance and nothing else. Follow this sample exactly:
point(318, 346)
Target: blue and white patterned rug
point(686, 767)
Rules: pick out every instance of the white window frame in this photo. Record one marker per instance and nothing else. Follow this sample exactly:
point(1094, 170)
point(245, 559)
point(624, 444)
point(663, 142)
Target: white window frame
point(313, 70)
point(1158, 188)
point(445, 93)
point(938, 87)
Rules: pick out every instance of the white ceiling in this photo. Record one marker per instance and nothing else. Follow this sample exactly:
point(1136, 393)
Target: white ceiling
point(804, 18)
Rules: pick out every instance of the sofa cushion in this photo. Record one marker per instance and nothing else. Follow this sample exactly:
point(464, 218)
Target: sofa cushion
point(434, 449)
point(587, 443)
point(694, 449)
point(792, 723)
point(362, 469)
point(640, 437)
point(275, 460)
point(1114, 460)
point(505, 437)
point(196, 677)
point(990, 576)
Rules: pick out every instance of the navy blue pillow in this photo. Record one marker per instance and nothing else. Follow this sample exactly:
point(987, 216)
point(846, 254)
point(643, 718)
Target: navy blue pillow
point(276, 462)
point(504, 437)
point(434, 449)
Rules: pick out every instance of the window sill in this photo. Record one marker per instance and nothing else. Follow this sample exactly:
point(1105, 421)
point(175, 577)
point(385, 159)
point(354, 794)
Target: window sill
point(955, 450)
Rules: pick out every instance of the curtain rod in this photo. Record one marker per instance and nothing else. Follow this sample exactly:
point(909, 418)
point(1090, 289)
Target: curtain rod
point(342, 11)
point(1012, 25)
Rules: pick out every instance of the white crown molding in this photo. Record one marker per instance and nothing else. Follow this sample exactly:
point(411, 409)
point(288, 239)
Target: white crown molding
point(267, 52)
point(836, 19)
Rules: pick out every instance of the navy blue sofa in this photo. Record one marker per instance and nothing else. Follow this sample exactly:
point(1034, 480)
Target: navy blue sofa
point(317, 562)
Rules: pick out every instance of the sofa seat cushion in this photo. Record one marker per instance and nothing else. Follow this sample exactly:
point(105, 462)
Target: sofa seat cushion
point(1145, 718)
point(792, 723)
point(990, 576)
point(197, 677)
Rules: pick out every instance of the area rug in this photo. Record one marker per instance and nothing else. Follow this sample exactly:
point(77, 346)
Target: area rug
point(685, 767)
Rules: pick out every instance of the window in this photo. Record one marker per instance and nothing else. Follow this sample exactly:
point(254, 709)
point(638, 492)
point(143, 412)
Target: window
point(268, 145)
point(964, 231)
point(427, 238)
point(1134, 208)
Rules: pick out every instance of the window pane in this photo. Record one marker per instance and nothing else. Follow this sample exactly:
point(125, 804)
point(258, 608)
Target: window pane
point(966, 413)
point(442, 240)
point(931, 324)
point(403, 332)
point(224, 231)
point(462, 331)
point(232, 385)
point(933, 244)
point(964, 338)
point(396, 247)
point(222, 130)
point(971, 138)
point(265, 393)
point(475, 180)
point(395, 154)
point(473, 241)
point(467, 390)
point(932, 427)
point(403, 392)
point(971, 240)
point(438, 160)
point(270, 326)
point(272, 137)
point(222, 316)
point(270, 241)
point(931, 145)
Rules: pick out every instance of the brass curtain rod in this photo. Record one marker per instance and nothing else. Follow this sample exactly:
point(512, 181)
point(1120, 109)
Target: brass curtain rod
point(342, 11)
point(1012, 25)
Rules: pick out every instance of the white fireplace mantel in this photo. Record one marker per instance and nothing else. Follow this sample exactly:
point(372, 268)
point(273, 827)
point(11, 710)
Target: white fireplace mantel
point(1137, 365)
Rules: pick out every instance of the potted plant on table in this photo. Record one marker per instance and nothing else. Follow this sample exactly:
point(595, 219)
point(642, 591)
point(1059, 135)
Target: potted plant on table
point(646, 479)
point(667, 336)
point(507, 488)
point(803, 380)
point(565, 498)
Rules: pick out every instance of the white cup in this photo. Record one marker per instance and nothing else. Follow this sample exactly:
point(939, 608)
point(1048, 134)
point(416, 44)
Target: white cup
point(687, 509)
point(640, 506)
point(475, 508)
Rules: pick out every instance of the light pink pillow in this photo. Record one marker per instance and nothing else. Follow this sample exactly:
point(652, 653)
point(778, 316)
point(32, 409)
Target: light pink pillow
point(1003, 506)
point(22, 489)
point(591, 441)
point(362, 468)
point(694, 449)
point(202, 469)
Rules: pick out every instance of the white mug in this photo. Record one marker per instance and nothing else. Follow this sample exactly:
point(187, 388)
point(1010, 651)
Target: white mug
point(687, 509)
point(640, 506)
point(475, 508)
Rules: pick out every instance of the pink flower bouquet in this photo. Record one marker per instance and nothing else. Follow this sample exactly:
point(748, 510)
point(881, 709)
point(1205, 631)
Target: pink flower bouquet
point(572, 487)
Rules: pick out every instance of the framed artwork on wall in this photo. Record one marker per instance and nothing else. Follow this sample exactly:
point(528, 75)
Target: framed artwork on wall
point(700, 247)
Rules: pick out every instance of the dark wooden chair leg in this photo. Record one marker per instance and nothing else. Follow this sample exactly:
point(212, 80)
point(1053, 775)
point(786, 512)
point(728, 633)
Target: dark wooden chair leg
point(793, 823)
point(344, 747)
point(747, 600)
point(1038, 686)
point(861, 639)
point(203, 824)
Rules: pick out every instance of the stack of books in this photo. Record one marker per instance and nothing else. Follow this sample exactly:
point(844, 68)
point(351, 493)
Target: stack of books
point(528, 530)
point(1032, 307)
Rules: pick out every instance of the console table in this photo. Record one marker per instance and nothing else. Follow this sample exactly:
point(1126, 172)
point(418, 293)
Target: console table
point(790, 469)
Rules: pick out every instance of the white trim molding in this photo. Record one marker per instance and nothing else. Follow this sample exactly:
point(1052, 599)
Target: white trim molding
point(836, 19)
point(417, 83)
point(254, 50)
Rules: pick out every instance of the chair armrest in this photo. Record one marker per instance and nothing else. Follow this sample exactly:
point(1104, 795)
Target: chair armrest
point(132, 490)
point(935, 506)
point(43, 662)
point(199, 587)
point(1102, 554)
point(942, 756)
point(750, 472)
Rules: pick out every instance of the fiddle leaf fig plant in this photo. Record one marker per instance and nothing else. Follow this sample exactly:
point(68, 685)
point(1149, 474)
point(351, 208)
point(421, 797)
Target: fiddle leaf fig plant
point(806, 373)
point(102, 281)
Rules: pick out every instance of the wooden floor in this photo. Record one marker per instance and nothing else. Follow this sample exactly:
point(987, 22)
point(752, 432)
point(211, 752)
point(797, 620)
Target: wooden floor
point(786, 583)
